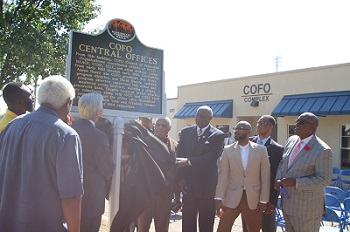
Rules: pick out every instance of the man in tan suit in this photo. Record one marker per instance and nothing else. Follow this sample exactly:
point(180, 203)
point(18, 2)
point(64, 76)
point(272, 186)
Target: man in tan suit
point(305, 169)
point(244, 181)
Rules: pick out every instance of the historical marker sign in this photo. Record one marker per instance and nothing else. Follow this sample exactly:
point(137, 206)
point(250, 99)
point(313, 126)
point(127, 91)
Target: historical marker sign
point(116, 64)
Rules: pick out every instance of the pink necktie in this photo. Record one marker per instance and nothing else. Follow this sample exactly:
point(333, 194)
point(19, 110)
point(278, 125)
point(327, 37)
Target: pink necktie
point(295, 153)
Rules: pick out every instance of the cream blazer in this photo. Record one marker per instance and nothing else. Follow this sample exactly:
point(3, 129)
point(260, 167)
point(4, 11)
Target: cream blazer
point(255, 180)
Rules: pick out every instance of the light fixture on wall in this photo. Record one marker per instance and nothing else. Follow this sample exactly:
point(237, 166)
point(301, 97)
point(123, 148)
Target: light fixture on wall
point(254, 103)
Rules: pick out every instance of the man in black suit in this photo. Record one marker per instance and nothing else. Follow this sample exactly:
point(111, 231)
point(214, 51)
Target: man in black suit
point(275, 151)
point(199, 148)
point(98, 164)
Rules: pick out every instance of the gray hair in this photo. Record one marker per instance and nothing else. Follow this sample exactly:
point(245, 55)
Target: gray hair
point(55, 90)
point(89, 104)
point(206, 108)
point(166, 119)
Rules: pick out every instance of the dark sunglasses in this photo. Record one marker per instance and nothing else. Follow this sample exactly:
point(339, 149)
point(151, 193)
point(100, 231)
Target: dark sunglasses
point(303, 121)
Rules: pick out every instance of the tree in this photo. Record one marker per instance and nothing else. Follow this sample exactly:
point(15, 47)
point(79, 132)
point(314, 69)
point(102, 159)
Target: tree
point(35, 34)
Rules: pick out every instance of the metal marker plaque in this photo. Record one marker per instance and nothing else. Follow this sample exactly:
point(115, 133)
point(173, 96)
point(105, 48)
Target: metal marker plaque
point(116, 64)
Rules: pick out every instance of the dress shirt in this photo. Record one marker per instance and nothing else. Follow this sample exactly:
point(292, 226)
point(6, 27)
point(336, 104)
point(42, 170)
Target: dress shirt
point(244, 155)
point(304, 142)
point(203, 129)
point(262, 141)
point(93, 123)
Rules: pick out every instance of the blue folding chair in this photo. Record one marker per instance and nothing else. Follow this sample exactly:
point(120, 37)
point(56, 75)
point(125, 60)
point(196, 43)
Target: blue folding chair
point(331, 216)
point(346, 205)
point(333, 203)
point(344, 179)
point(337, 192)
point(336, 176)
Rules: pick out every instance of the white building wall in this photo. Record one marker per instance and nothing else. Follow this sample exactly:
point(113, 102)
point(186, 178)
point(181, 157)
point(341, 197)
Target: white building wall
point(311, 80)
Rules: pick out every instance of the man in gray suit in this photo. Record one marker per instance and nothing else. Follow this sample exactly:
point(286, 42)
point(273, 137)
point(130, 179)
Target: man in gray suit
point(98, 164)
point(244, 181)
point(305, 169)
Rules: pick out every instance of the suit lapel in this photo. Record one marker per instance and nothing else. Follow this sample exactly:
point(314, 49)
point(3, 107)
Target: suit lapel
point(251, 156)
point(289, 151)
point(303, 152)
point(237, 156)
point(205, 135)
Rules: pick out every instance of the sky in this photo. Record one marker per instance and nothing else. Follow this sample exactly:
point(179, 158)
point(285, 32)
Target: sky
point(213, 40)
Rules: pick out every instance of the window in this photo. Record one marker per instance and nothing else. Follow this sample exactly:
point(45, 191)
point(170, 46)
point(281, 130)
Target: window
point(223, 128)
point(345, 146)
point(291, 130)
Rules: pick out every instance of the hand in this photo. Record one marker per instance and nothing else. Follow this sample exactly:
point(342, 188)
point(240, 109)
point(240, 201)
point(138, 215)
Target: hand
point(270, 208)
point(183, 187)
point(261, 208)
point(278, 185)
point(289, 182)
point(182, 162)
point(219, 208)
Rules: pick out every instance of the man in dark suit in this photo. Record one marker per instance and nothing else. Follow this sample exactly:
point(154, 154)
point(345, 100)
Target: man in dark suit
point(98, 165)
point(161, 206)
point(275, 151)
point(199, 148)
point(305, 169)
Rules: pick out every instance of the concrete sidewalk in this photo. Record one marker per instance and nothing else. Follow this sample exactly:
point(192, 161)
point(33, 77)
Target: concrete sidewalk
point(175, 223)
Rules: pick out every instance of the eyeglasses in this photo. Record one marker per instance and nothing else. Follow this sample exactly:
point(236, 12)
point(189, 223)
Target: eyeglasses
point(239, 129)
point(302, 121)
point(263, 124)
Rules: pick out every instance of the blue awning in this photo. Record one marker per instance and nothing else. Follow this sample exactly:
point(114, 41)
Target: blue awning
point(221, 109)
point(325, 103)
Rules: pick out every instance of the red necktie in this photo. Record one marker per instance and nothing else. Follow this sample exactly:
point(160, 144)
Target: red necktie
point(295, 153)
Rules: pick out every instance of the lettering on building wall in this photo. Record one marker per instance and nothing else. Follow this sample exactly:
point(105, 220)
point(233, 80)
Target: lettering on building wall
point(256, 92)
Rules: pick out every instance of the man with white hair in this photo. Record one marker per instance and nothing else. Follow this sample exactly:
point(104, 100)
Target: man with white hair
point(40, 165)
point(98, 162)
point(159, 209)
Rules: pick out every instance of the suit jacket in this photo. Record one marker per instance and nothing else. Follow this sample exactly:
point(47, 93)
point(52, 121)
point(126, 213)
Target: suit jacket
point(170, 172)
point(233, 179)
point(98, 166)
point(275, 152)
point(201, 177)
point(143, 159)
point(312, 169)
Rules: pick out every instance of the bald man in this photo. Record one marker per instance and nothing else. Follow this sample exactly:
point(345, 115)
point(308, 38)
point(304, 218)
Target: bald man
point(244, 181)
point(304, 171)
point(18, 99)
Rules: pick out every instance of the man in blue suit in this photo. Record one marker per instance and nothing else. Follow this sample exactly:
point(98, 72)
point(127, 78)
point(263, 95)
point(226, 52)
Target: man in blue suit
point(305, 169)
point(199, 148)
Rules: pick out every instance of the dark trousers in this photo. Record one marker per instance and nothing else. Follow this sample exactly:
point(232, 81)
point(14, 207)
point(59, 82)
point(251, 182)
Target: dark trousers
point(253, 220)
point(268, 223)
point(204, 208)
point(90, 224)
point(160, 211)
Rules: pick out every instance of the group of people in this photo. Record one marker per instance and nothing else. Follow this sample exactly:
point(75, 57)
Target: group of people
point(53, 174)
point(251, 174)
